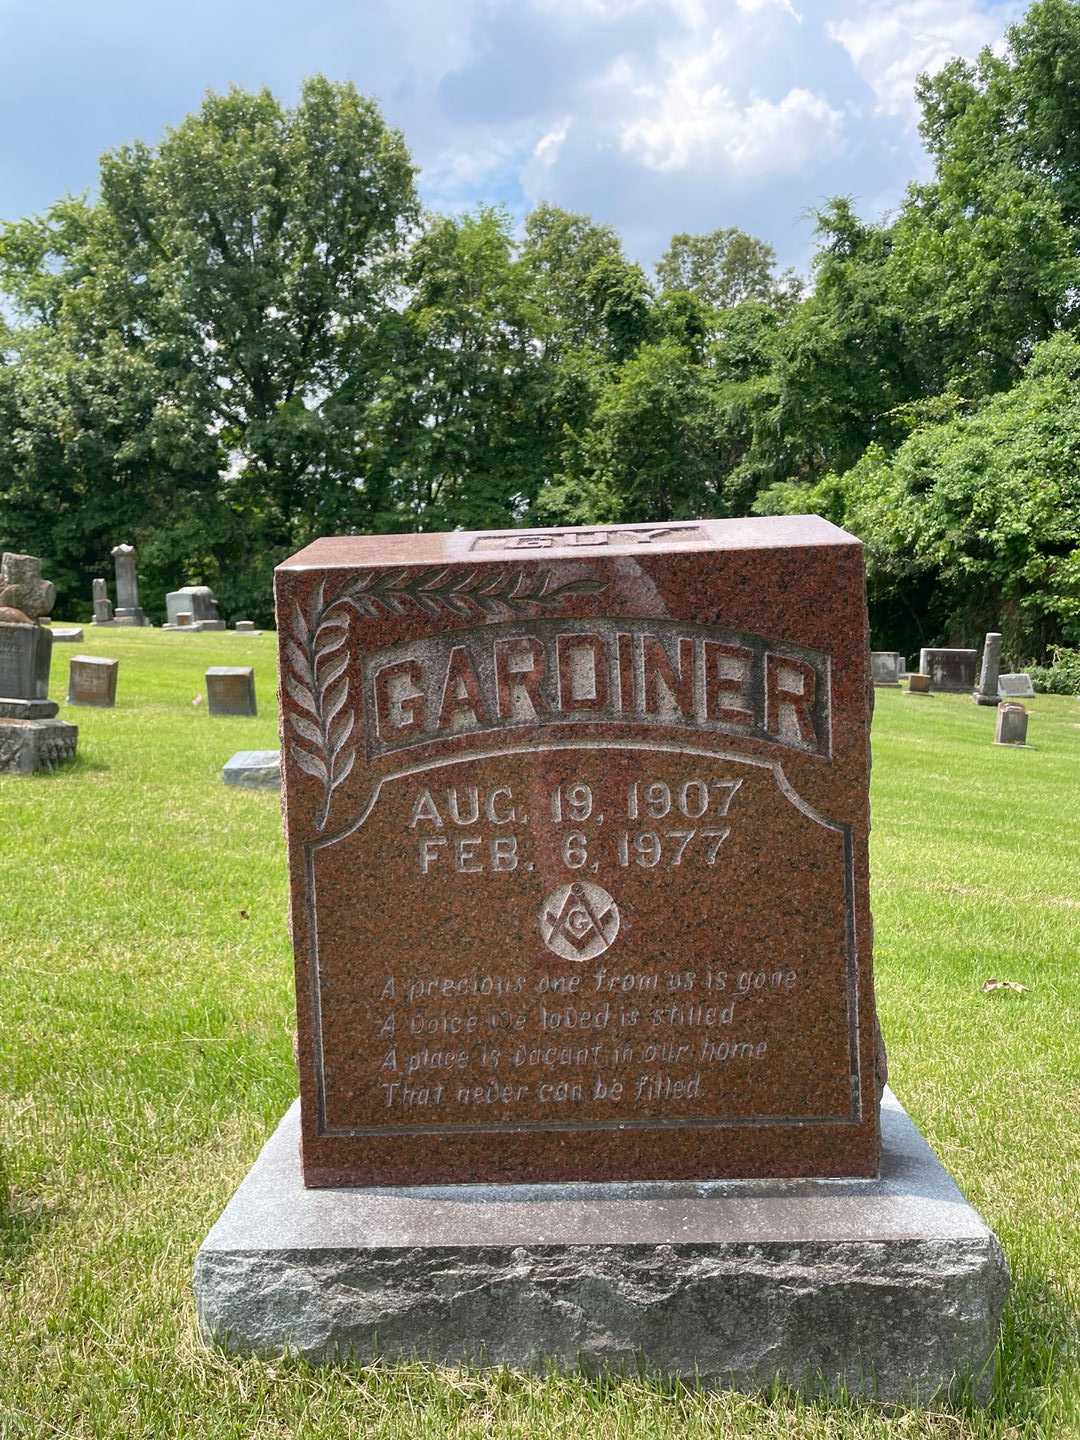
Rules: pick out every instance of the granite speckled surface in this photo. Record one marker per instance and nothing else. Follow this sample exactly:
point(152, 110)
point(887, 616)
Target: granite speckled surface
point(893, 1286)
point(577, 827)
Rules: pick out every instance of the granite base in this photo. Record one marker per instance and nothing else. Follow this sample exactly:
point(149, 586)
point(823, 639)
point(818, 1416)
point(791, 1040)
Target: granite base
point(892, 1287)
point(27, 746)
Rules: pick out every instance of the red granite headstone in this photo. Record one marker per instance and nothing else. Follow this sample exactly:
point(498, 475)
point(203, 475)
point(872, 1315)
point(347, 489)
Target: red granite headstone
point(577, 826)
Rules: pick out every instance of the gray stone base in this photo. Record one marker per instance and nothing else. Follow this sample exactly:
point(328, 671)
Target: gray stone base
point(254, 769)
point(30, 745)
point(69, 634)
point(893, 1287)
point(28, 709)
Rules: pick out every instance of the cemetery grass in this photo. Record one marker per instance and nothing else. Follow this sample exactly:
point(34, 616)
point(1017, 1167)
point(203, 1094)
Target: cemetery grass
point(146, 1055)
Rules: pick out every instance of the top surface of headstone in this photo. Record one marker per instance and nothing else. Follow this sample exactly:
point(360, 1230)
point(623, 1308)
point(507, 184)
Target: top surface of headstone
point(577, 828)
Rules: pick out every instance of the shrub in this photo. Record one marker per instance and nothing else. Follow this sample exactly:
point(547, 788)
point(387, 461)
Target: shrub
point(1061, 676)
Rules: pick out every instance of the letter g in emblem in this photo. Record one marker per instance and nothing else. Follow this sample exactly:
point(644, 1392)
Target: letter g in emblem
point(579, 921)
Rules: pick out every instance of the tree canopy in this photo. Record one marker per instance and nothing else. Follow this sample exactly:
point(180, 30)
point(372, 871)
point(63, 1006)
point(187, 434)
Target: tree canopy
point(254, 335)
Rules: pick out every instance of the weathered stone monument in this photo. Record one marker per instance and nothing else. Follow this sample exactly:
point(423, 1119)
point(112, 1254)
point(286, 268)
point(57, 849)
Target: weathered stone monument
point(886, 667)
point(197, 602)
point(577, 826)
point(92, 681)
point(230, 690)
point(918, 684)
point(1016, 687)
point(128, 610)
point(1012, 723)
point(949, 670)
point(103, 610)
point(245, 627)
point(986, 693)
point(31, 737)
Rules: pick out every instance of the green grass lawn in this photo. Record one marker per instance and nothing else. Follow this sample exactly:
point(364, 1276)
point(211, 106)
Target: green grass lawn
point(145, 1053)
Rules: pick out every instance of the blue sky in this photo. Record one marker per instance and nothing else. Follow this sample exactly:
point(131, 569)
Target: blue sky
point(654, 116)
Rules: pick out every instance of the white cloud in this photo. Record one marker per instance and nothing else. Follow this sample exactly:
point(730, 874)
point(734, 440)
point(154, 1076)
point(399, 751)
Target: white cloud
point(690, 120)
point(890, 44)
point(591, 9)
point(751, 7)
point(548, 146)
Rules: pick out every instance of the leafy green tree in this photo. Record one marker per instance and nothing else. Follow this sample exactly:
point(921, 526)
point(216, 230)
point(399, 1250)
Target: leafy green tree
point(200, 325)
point(559, 254)
point(1020, 108)
point(459, 428)
point(724, 268)
point(647, 454)
point(987, 505)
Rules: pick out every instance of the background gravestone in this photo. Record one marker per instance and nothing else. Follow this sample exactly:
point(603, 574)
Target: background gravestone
point(1012, 723)
point(92, 681)
point(1017, 686)
point(986, 692)
point(577, 828)
point(886, 667)
point(230, 690)
point(31, 737)
point(949, 670)
point(196, 601)
point(128, 610)
point(103, 610)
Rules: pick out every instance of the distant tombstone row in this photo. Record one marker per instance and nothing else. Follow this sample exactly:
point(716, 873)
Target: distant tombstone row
point(128, 611)
point(192, 608)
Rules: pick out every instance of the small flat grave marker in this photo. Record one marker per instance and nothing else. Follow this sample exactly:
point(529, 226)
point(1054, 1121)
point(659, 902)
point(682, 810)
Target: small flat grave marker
point(230, 690)
point(92, 681)
point(254, 769)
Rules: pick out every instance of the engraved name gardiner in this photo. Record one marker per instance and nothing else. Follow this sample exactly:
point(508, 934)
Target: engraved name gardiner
point(650, 673)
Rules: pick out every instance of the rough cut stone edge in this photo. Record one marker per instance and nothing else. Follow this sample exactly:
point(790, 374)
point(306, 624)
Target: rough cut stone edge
point(892, 1287)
